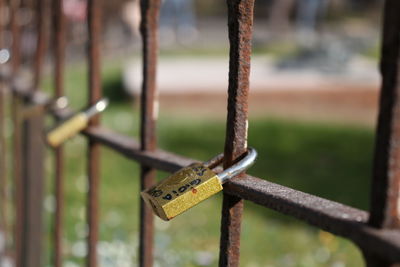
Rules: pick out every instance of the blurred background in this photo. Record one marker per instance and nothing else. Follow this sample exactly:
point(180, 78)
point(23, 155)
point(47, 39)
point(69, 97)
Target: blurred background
point(313, 104)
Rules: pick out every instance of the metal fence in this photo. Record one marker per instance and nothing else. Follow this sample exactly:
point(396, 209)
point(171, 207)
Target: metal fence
point(375, 232)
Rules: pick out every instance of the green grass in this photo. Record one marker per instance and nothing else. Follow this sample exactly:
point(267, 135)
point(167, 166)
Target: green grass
point(331, 161)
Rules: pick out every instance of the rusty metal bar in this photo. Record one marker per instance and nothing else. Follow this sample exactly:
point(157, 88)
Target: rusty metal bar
point(325, 214)
point(33, 161)
point(18, 194)
point(385, 196)
point(15, 32)
point(385, 190)
point(59, 56)
point(149, 108)
point(3, 172)
point(331, 216)
point(41, 20)
point(328, 215)
point(4, 220)
point(3, 150)
point(3, 6)
point(94, 27)
point(240, 24)
point(33, 190)
point(130, 148)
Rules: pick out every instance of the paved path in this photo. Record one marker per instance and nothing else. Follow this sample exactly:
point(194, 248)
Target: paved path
point(197, 87)
point(210, 75)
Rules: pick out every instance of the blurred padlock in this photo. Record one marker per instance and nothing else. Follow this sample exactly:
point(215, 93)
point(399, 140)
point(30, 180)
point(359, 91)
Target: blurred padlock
point(191, 185)
point(73, 125)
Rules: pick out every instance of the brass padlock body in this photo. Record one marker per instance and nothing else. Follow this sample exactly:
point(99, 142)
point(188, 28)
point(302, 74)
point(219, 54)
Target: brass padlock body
point(67, 129)
point(72, 126)
point(182, 190)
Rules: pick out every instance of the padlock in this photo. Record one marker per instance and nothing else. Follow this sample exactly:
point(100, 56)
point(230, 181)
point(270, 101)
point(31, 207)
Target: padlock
point(73, 125)
point(191, 185)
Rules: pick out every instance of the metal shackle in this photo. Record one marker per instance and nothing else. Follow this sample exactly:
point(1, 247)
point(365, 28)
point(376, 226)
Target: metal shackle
point(236, 168)
point(240, 166)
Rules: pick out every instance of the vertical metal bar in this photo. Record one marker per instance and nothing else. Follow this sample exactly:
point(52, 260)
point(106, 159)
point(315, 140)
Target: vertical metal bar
point(33, 184)
point(3, 164)
point(94, 26)
point(32, 163)
point(18, 195)
point(59, 54)
point(3, 150)
point(15, 33)
point(41, 20)
point(149, 111)
point(385, 190)
point(3, 175)
point(240, 22)
point(385, 194)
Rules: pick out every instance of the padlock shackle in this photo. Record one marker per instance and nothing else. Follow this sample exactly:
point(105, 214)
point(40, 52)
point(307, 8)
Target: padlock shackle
point(239, 167)
point(215, 161)
point(98, 107)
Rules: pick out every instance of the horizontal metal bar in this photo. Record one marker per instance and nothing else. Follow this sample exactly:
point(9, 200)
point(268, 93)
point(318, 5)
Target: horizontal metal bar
point(130, 148)
point(328, 215)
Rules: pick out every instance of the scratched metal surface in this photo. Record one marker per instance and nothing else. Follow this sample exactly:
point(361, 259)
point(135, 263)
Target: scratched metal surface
point(150, 11)
point(385, 197)
point(385, 186)
point(240, 27)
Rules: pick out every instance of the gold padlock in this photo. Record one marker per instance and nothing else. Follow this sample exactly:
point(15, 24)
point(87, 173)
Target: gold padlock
point(191, 185)
point(72, 126)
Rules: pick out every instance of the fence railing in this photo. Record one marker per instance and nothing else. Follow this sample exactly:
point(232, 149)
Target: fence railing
point(376, 232)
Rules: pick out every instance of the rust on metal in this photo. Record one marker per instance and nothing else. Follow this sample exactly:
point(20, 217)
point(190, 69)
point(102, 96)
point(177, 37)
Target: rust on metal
point(325, 214)
point(58, 219)
point(18, 194)
point(3, 151)
point(42, 21)
point(385, 193)
point(33, 189)
point(94, 27)
point(150, 10)
point(3, 169)
point(16, 158)
point(377, 235)
point(15, 33)
point(240, 25)
point(59, 59)
point(32, 159)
